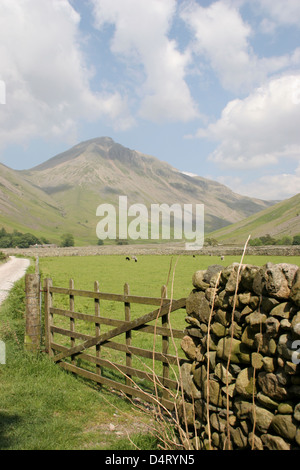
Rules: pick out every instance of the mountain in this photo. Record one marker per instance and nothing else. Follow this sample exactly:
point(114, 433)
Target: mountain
point(281, 219)
point(26, 207)
point(63, 193)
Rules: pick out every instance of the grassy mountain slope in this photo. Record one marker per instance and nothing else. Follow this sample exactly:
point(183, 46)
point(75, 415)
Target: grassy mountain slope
point(99, 170)
point(26, 207)
point(281, 219)
point(63, 193)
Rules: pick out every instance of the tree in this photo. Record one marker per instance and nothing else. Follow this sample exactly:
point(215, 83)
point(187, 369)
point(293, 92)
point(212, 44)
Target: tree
point(5, 242)
point(67, 239)
point(3, 232)
point(255, 242)
point(27, 240)
point(296, 240)
point(16, 238)
point(268, 240)
point(285, 240)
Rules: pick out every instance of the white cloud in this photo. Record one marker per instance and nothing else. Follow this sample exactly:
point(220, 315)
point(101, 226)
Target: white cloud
point(260, 130)
point(268, 187)
point(276, 187)
point(47, 80)
point(141, 38)
point(223, 38)
point(282, 12)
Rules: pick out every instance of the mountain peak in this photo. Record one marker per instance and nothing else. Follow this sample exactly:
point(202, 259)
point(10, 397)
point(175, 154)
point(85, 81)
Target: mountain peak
point(75, 182)
point(97, 148)
point(102, 141)
point(105, 143)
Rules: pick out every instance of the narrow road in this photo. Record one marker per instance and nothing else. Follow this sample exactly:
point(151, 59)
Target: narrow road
point(11, 272)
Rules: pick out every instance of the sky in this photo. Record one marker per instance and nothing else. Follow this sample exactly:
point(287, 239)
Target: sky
point(211, 87)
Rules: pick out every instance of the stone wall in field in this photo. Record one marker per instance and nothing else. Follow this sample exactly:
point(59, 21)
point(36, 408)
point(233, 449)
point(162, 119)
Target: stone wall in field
point(153, 249)
point(242, 380)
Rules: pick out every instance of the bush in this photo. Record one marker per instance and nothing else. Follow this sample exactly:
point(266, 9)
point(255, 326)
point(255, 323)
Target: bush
point(67, 240)
point(286, 240)
point(255, 242)
point(17, 239)
point(211, 242)
point(267, 240)
point(296, 240)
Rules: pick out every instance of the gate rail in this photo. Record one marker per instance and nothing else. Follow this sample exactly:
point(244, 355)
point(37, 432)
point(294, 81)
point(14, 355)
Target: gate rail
point(88, 347)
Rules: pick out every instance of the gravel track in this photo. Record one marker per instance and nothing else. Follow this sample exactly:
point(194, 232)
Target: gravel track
point(11, 272)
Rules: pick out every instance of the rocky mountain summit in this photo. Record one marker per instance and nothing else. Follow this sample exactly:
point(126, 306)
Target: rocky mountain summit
point(63, 193)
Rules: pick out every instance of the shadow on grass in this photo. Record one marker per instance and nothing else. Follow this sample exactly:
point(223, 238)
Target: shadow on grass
point(7, 422)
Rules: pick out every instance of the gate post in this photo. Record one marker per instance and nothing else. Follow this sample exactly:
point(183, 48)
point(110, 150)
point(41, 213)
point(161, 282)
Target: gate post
point(165, 346)
point(32, 340)
point(48, 316)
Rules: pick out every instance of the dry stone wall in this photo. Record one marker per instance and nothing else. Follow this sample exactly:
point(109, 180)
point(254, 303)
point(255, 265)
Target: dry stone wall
point(152, 249)
point(242, 379)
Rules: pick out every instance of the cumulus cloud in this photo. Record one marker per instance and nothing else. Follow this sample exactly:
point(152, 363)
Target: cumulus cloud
point(279, 186)
point(223, 39)
point(47, 79)
point(269, 186)
point(285, 12)
point(141, 38)
point(260, 130)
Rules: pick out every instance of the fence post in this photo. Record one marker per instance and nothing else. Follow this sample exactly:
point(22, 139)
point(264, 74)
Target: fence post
point(33, 329)
point(48, 316)
point(165, 345)
point(72, 320)
point(128, 335)
point(97, 327)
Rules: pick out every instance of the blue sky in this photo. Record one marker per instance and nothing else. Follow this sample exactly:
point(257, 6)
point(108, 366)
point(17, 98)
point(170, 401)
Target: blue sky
point(211, 87)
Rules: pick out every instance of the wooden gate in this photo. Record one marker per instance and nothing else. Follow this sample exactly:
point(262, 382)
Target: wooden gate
point(87, 349)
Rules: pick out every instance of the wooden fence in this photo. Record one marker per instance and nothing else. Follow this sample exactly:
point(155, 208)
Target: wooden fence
point(86, 352)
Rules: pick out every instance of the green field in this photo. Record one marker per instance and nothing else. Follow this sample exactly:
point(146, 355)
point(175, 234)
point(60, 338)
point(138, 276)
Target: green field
point(45, 408)
point(145, 278)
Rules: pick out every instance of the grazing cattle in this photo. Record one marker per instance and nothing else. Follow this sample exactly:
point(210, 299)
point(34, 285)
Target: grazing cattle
point(222, 258)
point(134, 258)
point(127, 258)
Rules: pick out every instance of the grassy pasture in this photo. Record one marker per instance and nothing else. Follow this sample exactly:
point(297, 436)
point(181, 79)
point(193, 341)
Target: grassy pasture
point(44, 408)
point(145, 278)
